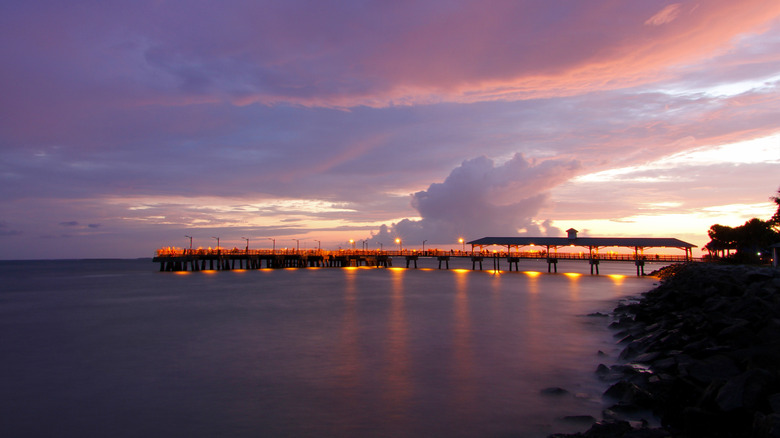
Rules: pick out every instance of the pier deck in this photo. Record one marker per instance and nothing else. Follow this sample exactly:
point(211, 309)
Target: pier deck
point(212, 259)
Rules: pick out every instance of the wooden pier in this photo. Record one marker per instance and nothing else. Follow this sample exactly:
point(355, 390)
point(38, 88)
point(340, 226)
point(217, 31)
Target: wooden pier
point(172, 260)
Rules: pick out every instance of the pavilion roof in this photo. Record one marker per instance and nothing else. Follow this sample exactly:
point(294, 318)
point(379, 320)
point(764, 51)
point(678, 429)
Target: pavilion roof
point(629, 242)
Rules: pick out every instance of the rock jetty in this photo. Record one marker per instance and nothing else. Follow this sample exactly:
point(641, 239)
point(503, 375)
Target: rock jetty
point(701, 357)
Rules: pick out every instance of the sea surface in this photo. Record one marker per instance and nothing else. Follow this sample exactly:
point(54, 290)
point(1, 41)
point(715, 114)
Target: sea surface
point(115, 348)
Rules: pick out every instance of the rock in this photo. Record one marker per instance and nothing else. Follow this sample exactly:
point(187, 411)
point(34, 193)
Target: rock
point(608, 429)
point(774, 402)
point(629, 393)
point(716, 367)
point(705, 352)
point(744, 390)
point(587, 419)
point(554, 390)
point(767, 426)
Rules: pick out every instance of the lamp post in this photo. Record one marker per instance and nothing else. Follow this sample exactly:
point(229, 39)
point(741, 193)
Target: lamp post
point(297, 245)
point(381, 247)
point(424, 245)
point(463, 244)
point(247, 244)
point(319, 246)
point(352, 243)
point(273, 248)
point(217, 243)
point(190, 237)
point(400, 245)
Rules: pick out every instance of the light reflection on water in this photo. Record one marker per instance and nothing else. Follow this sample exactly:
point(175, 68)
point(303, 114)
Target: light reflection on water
point(115, 349)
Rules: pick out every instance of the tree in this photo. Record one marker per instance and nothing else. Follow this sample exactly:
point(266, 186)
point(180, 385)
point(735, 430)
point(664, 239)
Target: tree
point(723, 239)
point(750, 241)
point(775, 220)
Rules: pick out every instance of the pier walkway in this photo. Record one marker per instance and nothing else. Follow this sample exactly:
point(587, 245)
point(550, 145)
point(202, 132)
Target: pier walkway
point(538, 248)
point(222, 259)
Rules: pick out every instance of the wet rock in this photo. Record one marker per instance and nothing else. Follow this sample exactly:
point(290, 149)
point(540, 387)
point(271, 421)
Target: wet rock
point(705, 353)
point(554, 390)
point(629, 393)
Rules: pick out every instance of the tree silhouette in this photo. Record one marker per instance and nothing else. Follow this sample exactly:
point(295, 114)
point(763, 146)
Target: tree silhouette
point(775, 220)
point(750, 241)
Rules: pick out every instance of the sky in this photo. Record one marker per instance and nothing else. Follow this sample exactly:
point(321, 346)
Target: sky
point(126, 126)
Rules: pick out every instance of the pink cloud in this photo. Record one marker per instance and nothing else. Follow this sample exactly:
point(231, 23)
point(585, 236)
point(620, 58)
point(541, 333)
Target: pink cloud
point(666, 15)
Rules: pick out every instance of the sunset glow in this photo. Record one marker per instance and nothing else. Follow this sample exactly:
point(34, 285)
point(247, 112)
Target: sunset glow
point(124, 128)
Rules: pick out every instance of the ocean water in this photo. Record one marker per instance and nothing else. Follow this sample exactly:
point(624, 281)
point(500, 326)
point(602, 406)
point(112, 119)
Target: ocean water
point(99, 348)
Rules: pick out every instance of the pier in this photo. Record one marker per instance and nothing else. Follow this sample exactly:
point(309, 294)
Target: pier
point(516, 249)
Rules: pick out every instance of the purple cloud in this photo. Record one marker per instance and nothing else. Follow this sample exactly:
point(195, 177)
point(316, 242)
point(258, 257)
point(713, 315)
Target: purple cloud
point(147, 120)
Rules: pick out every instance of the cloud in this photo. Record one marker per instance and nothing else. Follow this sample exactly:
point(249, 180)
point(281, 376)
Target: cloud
point(480, 198)
point(69, 224)
point(6, 231)
point(665, 15)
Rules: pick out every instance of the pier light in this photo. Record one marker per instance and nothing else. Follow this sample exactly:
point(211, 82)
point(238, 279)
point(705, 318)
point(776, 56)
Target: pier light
point(190, 237)
point(400, 245)
point(423, 250)
point(352, 243)
point(297, 245)
point(247, 243)
point(273, 248)
point(217, 241)
point(462, 244)
point(319, 245)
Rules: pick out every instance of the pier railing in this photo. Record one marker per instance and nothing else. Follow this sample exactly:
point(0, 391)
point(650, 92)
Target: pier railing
point(543, 255)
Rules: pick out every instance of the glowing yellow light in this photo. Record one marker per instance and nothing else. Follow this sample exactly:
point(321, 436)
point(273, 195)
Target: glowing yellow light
point(616, 276)
point(182, 272)
point(209, 271)
point(397, 240)
point(397, 269)
point(460, 270)
point(572, 274)
point(532, 273)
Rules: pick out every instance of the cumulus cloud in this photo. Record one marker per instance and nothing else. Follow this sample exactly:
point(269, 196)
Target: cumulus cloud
point(480, 198)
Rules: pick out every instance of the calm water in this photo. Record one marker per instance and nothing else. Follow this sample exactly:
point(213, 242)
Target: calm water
point(115, 348)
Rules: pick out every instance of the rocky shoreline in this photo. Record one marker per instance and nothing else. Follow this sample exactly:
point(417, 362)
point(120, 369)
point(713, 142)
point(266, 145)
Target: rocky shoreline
point(701, 357)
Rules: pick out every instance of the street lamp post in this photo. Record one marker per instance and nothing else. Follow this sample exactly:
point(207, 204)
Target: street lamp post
point(247, 244)
point(400, 244)
point(217, 243)
point(463, 244)
point(424, 245)
point(352, 243)
point(297, 245)
point(381, 247)
point(190, 237)
point(273, 248)
point(319, 245)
